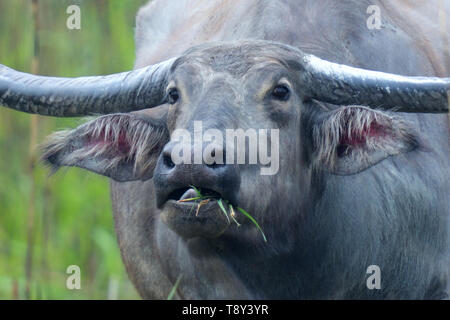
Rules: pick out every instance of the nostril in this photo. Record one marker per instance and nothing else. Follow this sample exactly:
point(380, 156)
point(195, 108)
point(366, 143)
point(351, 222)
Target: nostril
point(167, 160)
point(215, 165)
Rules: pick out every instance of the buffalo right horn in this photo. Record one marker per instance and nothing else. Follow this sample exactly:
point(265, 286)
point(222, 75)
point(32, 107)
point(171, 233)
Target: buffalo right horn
point(71, 97)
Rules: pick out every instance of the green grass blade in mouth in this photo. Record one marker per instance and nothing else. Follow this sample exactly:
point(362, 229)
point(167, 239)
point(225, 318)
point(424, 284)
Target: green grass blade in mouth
point(190, 199)
point(252, 220)
point(219, 202)
point(192, 208)
point(196, 198)
point(232, 216)
point(197, 190)
point(174, 289)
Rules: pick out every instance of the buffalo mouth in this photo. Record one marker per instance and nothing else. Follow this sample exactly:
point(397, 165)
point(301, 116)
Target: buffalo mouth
point(189, 194)
point(191, 214)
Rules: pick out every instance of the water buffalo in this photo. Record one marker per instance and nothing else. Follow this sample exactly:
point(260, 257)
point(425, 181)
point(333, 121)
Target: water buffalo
point(363, 174)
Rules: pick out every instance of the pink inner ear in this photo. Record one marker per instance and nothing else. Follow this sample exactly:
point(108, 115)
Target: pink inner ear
point(122, 143)
point(117, 145)
point(359, 136)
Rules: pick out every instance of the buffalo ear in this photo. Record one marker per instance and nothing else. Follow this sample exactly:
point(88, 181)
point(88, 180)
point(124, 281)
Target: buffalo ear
point(124, 147)
point(353, 138)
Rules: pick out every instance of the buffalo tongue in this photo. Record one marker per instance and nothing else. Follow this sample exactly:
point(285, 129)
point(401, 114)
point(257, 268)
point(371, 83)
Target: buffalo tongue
point(190, 193)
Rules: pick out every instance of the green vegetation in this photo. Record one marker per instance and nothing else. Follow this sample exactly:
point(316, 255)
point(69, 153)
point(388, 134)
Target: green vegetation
point(174, 289)
point(204, 199)
point(64, 219)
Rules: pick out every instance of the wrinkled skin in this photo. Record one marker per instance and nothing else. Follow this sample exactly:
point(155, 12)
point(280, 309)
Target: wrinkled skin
point(323, 229)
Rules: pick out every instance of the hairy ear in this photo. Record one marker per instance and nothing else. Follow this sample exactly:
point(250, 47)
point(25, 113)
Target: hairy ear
point(353, 138)
point(123, 147)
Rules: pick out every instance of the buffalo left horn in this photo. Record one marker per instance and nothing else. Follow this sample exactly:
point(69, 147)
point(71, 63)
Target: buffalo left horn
point(343, 85)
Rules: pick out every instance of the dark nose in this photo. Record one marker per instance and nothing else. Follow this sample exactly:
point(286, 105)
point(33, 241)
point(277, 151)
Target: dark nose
point(212, 158)
point(203, 167)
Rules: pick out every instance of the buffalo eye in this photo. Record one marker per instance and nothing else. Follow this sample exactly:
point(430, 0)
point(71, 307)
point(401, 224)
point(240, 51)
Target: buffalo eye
point(281, 92)
point(173, 95)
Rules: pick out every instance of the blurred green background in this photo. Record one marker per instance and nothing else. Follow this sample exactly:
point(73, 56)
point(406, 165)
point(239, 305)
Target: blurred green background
point(49, 223)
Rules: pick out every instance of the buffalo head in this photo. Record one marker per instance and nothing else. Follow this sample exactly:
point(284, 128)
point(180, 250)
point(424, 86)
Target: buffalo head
point(312, 115)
